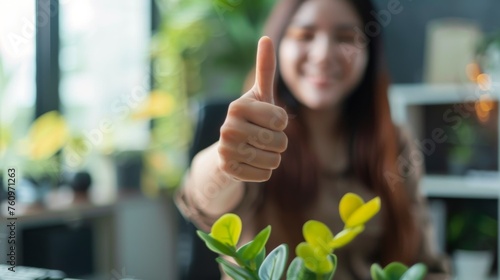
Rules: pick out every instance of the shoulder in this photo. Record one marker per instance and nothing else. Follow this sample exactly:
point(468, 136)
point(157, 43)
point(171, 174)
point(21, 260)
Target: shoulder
point(409, 158)
point(408, 146)
point(405, 138)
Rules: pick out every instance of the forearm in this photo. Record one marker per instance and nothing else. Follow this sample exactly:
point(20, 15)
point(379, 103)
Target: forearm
point(210, 189)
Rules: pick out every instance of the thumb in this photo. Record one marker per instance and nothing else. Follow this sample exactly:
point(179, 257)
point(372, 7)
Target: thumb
point(264, 71)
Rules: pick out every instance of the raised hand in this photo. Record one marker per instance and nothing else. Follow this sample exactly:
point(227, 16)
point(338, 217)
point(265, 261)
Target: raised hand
point(252, 137)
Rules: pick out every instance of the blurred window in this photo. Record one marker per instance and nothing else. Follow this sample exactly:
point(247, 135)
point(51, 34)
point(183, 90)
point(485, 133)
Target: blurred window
point(17, 66)
point(105, 70)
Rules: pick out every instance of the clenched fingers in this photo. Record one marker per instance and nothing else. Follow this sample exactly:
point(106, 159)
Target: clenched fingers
point(234, 133)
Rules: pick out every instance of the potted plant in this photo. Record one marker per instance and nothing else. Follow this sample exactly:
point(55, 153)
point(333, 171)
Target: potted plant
point(315, 257)
point(473, 236)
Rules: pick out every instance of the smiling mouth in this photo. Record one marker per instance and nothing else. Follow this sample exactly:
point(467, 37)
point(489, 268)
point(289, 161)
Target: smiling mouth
point(320, 82)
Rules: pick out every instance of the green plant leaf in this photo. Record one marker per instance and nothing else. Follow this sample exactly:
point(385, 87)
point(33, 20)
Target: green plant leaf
point(377, 272)
point(47, 135)
point(260, 258)
point(364, 213)
point(235, 272)
point(295, 269)
point(274, 265)
point(345, 237)
point(395, 270)
point(298, 271)
point(333, 260)
point(250, 250)
point(214, 245)
point(241, 261)
point(349, 203)
point(315, 259)
point(253, 263)
point(306, 252)
point(318, 235)
point(416, 272)
point(227, 229)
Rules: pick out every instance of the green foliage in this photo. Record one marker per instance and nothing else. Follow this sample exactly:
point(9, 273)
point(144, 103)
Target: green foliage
point(472, 230)
point(215, 245)
point(274, 264)
point(490, 40)
point(227, 230)
point(398, 271)
point(298, 271)
point(4, 78)
point(231, 52)
point(201, 47)
point(416, 272)
point(377, 272)
point(250, 250)
point(315, 259)
point(395, 270)
point(235, 272)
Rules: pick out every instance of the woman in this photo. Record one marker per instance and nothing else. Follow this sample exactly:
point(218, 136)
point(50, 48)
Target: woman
point(310, 129)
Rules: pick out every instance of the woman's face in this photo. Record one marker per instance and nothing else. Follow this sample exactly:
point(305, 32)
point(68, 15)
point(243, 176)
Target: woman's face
point(322, 55)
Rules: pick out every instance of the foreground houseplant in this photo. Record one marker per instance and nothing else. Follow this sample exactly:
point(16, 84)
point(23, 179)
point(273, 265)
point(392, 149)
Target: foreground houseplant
point(315, 259)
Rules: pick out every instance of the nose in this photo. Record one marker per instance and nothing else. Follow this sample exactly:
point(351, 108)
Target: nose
point(323, 50)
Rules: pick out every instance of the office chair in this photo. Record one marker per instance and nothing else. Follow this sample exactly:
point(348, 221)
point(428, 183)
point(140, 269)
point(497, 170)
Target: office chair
point(202, 264)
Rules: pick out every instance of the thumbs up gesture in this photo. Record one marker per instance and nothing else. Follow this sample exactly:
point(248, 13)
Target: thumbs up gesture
point(252, 138)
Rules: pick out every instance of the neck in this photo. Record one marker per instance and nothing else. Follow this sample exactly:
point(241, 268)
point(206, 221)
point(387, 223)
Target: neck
point(322, 124)
point(327, 140)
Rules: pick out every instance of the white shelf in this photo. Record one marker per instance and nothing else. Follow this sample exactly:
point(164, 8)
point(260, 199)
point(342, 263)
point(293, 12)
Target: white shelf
point(461, 187)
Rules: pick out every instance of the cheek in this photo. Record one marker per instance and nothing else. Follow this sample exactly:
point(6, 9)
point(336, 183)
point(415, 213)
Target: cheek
point(356, 66)
point(361, 62)
point(289, 60)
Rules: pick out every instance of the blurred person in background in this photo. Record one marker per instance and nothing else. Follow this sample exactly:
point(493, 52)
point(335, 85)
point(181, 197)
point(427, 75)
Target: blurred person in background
point(312, 124)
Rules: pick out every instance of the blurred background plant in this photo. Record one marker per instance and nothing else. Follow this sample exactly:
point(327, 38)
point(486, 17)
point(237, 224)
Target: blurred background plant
point(472, 230)
point(5, 134)
point(488, 52)
point(460, 152)
point(39, 149)
point(36, 155)
point(202, 50)
point(35, 152)
point(199, 50)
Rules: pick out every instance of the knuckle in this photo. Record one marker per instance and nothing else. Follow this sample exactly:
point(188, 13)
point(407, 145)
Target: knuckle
point(222, 166)
point(225, 129)
point(236, 108)
point(279, 121)
point(230, 133)
point(224, 152)
point(228, 166)
point(256, 142)
point(265, 136)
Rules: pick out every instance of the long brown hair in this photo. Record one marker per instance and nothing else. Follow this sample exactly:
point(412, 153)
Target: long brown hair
point(373, 141)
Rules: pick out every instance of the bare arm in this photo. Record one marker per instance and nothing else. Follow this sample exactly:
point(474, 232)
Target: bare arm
point(212, 190)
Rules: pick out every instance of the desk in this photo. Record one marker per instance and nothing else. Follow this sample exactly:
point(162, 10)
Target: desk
point(132, 236)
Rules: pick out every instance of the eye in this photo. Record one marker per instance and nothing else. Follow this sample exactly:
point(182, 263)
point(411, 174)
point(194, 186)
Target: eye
point(300, 34)
point(348, 38)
